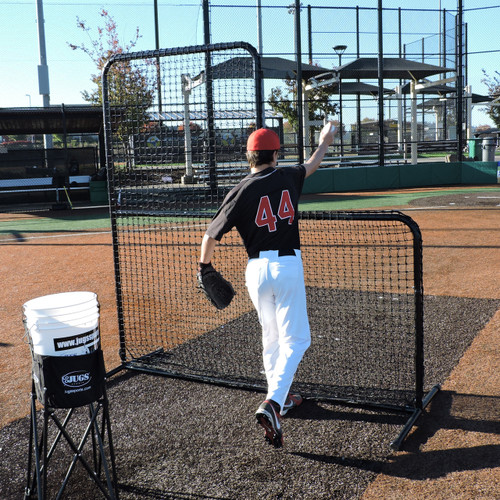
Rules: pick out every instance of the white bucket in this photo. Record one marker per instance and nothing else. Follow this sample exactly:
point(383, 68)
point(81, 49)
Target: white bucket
point(56, 327)
point(61, 320)
point(60, 303)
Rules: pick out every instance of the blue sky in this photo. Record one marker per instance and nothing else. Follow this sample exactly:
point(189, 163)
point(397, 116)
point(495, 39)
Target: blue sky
point(181, 24)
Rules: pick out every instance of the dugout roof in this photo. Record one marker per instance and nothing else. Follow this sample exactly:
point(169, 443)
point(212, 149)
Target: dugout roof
point(70, 119)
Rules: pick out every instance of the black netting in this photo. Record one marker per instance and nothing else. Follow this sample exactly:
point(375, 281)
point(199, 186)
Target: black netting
point(362, 269)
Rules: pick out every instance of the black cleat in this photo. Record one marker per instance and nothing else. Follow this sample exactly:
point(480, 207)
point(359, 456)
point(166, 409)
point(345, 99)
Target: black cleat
point(269, 418)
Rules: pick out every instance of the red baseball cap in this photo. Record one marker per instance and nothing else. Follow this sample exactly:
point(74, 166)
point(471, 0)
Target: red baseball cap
point(263, 139)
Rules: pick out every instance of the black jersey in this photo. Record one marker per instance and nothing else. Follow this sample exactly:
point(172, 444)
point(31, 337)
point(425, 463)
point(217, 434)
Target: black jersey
point(263, 208)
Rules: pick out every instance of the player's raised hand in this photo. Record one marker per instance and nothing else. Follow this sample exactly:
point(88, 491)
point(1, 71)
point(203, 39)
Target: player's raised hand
point(326, 137)
point(328, 133)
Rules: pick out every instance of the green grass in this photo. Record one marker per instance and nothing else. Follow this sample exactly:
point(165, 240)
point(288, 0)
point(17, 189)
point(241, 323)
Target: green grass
point(83, 220)
point(67, 223)
point(360, 201)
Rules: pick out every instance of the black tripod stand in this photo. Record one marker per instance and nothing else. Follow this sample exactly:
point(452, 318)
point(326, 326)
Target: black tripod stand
point(59, 409)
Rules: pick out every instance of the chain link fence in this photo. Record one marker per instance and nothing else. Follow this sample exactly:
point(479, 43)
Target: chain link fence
point(275, 29)
point(426, 36)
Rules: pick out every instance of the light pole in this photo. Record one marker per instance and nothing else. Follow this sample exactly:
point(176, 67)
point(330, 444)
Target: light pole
point(32, 138)
point(43, 70)
point(339, 50)
point(158, 66)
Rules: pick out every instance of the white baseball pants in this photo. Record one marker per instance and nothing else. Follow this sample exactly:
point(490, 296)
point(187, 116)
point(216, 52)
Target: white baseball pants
point(276, 287)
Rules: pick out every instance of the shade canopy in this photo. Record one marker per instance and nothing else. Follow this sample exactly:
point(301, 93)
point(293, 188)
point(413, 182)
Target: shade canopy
point(433, 89)
point(356, 88)
point(476, 99)
point(393, 68)
point(272, 68)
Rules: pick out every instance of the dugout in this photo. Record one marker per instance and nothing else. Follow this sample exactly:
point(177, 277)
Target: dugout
point(31, 171)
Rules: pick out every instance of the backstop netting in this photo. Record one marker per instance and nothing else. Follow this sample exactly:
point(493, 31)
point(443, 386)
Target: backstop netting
point(362, 269)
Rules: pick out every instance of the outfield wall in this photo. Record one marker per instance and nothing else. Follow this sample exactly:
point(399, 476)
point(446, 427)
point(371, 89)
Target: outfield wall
point(327, 180)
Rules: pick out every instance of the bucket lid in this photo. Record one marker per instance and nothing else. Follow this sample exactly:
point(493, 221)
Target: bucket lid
point(58, 302)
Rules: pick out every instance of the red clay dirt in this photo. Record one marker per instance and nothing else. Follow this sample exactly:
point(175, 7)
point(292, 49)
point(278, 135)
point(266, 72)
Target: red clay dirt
point(461, 259)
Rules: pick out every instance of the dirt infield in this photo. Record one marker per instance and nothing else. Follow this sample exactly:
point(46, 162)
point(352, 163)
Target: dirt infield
point(453, 451)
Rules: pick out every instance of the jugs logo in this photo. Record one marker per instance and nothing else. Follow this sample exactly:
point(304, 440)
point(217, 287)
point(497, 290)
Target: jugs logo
point(76, 379)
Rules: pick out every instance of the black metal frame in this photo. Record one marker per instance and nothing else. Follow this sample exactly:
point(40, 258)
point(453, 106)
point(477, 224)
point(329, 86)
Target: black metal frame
point(420, 401)
point(59, 408)
point(141, 364)
point(155, 54)
point(40, 453)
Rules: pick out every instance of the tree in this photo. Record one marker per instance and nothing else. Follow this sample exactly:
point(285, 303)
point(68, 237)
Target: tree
point(285, 102)
point(493, 84)
point(130, 89)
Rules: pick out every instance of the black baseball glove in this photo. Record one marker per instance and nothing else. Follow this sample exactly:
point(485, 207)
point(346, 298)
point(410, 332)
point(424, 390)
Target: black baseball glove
point(217, 289)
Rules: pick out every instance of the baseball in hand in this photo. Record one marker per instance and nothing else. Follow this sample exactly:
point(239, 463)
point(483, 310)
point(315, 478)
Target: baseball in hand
point(328, 133)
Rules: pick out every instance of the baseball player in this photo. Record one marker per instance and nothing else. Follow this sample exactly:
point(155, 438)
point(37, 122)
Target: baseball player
point(263, 208)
